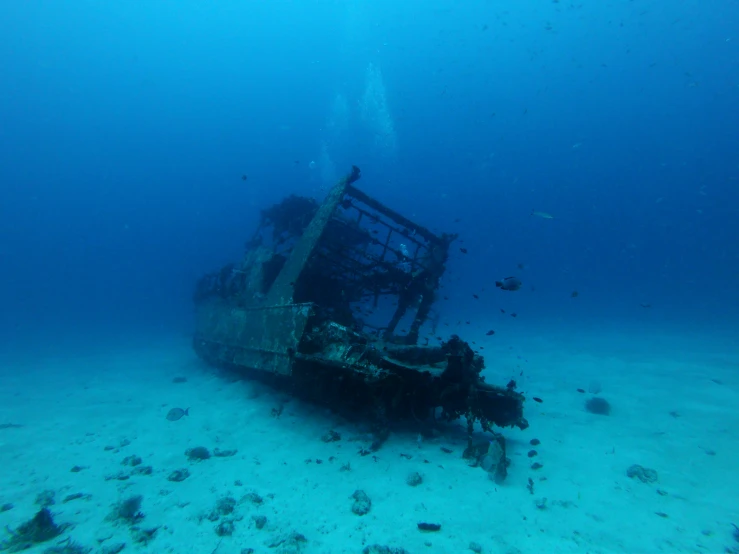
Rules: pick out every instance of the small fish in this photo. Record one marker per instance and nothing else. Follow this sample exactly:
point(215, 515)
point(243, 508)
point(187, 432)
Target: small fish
point(177, 413)
point(574, 294)
point(537, 399)
point(490, 333)
point(645, 305)
point(543, 215)
point(463, 250)
point(514, 315)
point(509, 283)
point(244, 177)
point(475, 297)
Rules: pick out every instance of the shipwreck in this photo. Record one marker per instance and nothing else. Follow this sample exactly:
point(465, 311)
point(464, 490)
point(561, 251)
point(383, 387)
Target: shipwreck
point(334, 301)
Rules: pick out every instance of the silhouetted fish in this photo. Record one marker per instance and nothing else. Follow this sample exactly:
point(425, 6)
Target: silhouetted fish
point(176, 413)
point(509, 283)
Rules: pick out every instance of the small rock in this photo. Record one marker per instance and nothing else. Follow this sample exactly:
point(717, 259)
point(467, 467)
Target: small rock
point(226, 505)
point(224, 453)
point(475, 547)
point(259, 521)
point(331, 436)
point(45, 498)
point(132, 461)
point(178, 475)
point(414, 479)
point(113, 548)
point(197, 454)
point(225, 528)
point(644, 474)
point(362, 503)
point(253, 497)
point(381, 549)
point(598, 406)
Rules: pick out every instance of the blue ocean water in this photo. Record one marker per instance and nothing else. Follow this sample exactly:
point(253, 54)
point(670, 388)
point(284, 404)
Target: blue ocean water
point(140, 141)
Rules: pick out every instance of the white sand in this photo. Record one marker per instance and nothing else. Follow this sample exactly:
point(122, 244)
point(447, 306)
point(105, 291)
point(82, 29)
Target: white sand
point(72, 406)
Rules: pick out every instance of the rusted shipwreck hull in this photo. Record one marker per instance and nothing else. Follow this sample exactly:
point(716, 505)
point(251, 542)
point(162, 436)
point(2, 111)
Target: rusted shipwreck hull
point(331, 301)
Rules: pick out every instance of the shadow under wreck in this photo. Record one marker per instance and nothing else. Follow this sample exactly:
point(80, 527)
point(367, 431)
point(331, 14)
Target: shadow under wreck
point(329, 302)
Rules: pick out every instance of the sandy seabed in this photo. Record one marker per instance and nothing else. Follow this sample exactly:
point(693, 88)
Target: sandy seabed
point(84, 432)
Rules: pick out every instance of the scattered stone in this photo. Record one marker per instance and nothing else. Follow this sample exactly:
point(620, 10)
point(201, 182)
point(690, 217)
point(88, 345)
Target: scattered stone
point(41, 528)
point(197, 454)
point(224, 453)
point(76, 496)
point(431, 527)
point(362, 503)
point(532, 453)
point(644, 474)
point(128, 511)
point(143, 536)
point(252, 497)
point(143, 470)
point(536, 466)
point(379, 549)
point(331, 436)
point(178, 475)
point(259, 521)
point(662, 514)
point(77, 469)
point(598, 406)
point(414, 479)
point(120, 476)
point(226, 505)
point(662, 492)
point(541, 503)
point(225, 528)
point(113, 548)
point(45, 498)
point(68, 546)
point(475, 547)
point(247, 551)
point(535, 442)
point(132, 461)
point(288, 542)
point(6, 507)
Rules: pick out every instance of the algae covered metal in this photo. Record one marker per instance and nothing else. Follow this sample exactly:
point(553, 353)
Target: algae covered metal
point(332, 299)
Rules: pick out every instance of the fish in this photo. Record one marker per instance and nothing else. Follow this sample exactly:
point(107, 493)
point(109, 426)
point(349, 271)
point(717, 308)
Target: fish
point(490, 333)
point(509, 283)
point(543, 215)
point(177, 413)
point(574, 294)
